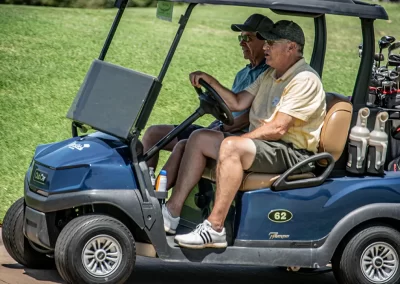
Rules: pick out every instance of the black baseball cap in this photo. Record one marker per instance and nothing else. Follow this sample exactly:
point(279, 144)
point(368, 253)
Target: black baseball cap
point(283, 30)
point(254, 23)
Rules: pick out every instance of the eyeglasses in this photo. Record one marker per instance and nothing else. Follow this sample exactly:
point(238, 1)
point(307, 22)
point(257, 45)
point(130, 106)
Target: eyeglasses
point(272, 42)
point(245, 38)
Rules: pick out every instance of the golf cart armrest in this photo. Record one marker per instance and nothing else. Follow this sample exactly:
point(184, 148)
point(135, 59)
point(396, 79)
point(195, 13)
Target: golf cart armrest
point(282, 182)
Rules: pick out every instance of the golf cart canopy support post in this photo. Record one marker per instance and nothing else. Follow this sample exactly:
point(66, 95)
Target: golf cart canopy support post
point(121, 4)
point(148, 106)
point(318, 56)
point(182, 24)
point(360, 92)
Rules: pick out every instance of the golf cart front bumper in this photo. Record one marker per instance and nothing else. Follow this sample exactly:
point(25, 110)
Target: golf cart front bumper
point(41, 218)
point(36, 229)
point(36, 223)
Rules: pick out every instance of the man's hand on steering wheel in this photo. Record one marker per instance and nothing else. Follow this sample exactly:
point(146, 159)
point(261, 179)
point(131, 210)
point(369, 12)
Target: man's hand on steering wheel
point(215, 106)
point(196, 76)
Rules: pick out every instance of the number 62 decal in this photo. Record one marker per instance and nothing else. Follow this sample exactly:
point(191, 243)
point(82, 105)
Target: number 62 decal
point(280, 215)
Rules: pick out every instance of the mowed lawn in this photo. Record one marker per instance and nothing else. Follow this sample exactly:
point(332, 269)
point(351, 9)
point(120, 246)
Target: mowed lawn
point(45, 53)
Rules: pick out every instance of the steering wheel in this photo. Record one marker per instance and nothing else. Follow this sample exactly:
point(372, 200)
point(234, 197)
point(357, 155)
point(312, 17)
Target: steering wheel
point(219, 110)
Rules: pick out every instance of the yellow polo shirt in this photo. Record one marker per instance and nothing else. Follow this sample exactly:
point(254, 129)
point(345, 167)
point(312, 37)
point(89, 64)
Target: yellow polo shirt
point(298, 93)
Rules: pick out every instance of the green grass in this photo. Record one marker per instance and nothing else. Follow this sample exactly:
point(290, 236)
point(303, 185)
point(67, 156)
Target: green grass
point(45, 53)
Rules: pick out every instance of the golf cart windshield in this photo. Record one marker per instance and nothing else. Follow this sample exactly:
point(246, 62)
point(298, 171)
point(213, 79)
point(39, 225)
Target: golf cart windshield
point(111, 98)
point(119, 101)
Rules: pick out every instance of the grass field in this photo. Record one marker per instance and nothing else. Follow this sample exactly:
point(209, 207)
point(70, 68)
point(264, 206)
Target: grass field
point(45, 53)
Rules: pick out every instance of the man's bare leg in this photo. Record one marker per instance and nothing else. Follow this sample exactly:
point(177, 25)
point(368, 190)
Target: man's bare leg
point(173, 163)
point(202, 144)
point(236, 155)
point(150, 138)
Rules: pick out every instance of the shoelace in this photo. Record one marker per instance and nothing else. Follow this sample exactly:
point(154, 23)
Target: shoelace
point(201, 227)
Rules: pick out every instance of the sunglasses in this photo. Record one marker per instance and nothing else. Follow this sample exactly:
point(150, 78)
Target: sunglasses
point(272, 42)
point(244, 38)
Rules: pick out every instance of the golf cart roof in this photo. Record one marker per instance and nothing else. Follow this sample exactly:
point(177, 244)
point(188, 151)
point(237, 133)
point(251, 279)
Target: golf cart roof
point(352, 8)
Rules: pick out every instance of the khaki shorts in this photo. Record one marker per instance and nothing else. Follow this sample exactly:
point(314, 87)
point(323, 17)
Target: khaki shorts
point(274, 157)
point(277, 156)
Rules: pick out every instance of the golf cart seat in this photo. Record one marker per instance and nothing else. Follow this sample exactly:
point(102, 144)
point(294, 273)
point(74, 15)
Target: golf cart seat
point(332, 140)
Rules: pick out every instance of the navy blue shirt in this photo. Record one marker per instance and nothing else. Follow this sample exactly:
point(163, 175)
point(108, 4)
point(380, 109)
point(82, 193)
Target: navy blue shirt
point(245, 78)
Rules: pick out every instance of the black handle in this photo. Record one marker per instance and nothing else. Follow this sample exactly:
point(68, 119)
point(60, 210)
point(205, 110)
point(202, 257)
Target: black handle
point(283, 184)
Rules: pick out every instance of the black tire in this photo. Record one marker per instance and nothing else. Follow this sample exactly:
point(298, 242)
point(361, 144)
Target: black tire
point(346, 265)
point(77, 233)
point(15, 242)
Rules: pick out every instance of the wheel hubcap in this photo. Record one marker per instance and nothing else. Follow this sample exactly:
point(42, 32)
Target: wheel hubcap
point(101, 256)
point(379, 262)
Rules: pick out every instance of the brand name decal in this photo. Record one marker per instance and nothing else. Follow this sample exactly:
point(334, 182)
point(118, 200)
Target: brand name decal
point(275, 235)
point(39, 176)
point(79, 147)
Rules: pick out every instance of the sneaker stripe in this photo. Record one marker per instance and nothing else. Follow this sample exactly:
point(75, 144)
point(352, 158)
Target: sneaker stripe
point(204, 240)
point(206, 237)
point(209, 235)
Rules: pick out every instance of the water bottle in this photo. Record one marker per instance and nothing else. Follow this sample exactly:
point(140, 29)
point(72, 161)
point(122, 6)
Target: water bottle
point(378, 142)
point(152, 176)
point(161, 185)
point(358, 144)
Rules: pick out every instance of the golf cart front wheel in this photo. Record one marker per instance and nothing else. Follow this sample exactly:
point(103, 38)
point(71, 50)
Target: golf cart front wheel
point(17, 245)
point(370, 257)
point(95, 249)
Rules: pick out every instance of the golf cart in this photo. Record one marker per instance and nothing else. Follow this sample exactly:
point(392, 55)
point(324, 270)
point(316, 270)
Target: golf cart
point(89, 206)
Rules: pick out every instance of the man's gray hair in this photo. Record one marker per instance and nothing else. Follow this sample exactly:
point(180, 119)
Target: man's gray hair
point(300, 48)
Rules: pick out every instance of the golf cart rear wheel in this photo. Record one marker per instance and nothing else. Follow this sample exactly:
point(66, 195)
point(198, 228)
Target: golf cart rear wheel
point(95, 249)
point(370, 257)
point(15, 242)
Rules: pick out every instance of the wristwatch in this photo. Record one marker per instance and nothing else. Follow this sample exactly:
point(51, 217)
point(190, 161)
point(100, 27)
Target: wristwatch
point(221, 127)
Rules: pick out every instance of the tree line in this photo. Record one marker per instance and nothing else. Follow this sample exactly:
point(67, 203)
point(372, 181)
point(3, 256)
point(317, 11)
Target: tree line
point(80, 3)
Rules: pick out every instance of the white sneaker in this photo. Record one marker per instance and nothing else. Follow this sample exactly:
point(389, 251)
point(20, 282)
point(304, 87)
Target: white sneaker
point(170, 223)
point(204, 236)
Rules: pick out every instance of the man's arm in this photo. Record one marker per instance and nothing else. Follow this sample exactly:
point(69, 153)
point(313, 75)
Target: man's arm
point(273, 130)
point(238, 102)
point(239, 123)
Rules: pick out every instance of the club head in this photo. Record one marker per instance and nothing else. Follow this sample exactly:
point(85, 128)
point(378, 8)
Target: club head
point(383, 71)
point(397, 68)
point(393, 75)
point(360, 48)
point(389, 39)
point(379, 78)
point(379, 57)
point(383, 44)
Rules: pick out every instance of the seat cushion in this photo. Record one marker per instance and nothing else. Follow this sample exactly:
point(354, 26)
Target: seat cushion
point(252, 181)
point(336, 126)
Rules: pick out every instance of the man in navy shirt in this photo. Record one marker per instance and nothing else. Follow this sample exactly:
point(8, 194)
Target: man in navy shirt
point(253, 51)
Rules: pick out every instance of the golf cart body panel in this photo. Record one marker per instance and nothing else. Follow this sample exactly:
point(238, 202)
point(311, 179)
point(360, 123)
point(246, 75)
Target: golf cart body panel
point(81, 164)
point(330, 203)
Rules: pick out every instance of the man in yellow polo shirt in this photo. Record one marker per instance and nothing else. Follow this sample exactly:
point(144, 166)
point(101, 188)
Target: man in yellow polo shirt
point(286, 116)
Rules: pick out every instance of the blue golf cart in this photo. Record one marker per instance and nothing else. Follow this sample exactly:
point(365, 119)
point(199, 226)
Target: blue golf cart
point(89, 207)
